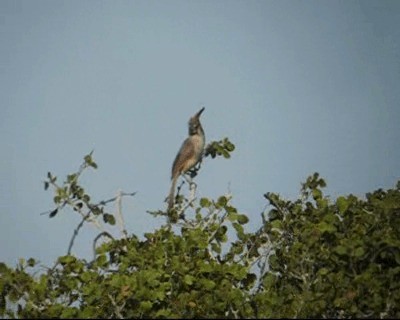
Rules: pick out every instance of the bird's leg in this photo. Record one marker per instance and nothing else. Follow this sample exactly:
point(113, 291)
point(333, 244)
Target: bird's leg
point(193, 172)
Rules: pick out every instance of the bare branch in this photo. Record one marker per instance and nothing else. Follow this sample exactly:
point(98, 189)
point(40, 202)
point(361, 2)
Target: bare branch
point(118, 309)
point(71, 242)
point(87, 217)
point(119, 216)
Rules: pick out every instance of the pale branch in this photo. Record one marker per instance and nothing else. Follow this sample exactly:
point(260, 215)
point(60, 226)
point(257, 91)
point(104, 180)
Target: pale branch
point(119, 216)
point(86, 217)
point(191, 199)
point(118, 309)
point(192, 189)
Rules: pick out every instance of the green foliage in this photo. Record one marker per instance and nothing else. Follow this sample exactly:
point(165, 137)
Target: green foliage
point(333, 260)
point(217, 148)
point(311, 257)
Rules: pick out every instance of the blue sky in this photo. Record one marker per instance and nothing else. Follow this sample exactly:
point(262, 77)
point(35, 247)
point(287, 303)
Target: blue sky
point(297, 86)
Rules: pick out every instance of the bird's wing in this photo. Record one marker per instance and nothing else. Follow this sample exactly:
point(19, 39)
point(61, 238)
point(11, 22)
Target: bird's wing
point(186, 152)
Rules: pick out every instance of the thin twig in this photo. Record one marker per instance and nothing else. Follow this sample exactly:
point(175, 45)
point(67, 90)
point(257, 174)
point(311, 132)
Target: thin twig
point(102, 234)
point(220, 222)
point(104, 202)
point(71, 242)
point(86, 217)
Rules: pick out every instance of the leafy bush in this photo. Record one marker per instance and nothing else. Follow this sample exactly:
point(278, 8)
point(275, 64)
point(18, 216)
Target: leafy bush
point(334, 260)
point(311, 257)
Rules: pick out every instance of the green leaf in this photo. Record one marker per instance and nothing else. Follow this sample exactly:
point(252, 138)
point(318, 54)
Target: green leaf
point(109, 218)
point(342, 204)
point(341, 250)
point(317, 194)
point(216, 247)
point(31, 262)
point(163, 313)
point(88, 158)
point(232, 216)
point(205, 267)
point(239, 230)
point(221, 234)
point(145, 305)
point(205, 203)
point(101, 260)
point(68, 313)
point(222, 201)
point(269, 280)
point(207, 284)
point(66, 259)
point(326, 227)
point(89, 161)
point(3, 267)
point(277, 224)
point(397, 257)
point(359, 252)
point(274, 262)
point(188, 279)
point(21, 262)
point(71, 177)
point(86, 277)
point(226, 154)
point(198, 216)
point(249, 280)
point(93, 165)
point(229, 146)
point(243, 219)
point(323, 271)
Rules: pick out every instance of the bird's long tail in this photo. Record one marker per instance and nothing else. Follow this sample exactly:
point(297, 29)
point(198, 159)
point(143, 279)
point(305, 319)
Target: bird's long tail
point(171, 197)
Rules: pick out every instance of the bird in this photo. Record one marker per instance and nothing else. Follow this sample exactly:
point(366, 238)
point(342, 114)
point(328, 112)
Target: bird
point(189, 154)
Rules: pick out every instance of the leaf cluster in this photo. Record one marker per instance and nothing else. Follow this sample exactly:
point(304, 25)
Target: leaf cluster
point(219, 148)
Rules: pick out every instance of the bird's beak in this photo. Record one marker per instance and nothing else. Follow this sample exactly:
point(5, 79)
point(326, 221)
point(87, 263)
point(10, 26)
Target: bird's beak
point(197, 115)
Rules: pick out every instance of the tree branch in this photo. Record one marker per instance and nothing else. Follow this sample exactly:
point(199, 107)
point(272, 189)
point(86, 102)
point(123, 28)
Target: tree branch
point(86, 217)
point(102, 234)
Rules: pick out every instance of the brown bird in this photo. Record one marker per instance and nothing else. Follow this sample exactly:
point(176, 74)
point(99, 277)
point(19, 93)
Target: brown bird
point(189, 154)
